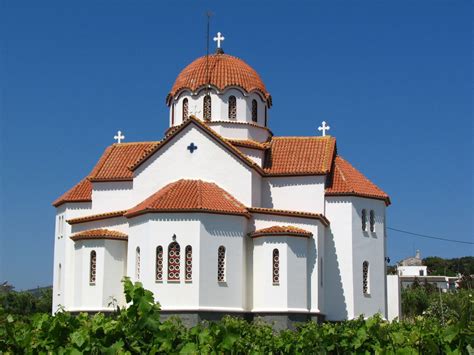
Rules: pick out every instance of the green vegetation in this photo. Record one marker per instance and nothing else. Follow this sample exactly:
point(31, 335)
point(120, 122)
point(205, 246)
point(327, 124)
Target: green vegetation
point(449, 267)
point(25, 303)
point(138, 329)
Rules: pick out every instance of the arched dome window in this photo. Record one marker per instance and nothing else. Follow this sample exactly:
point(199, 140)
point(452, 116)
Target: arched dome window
point(159, 263)
point(266, 116)
point(207, 107)
point(232, 108)
point(372, 220)
point(185, 109)
point(92, 267)
point(173, 261)
point(254, 111)
point(221, 264)
point(276, 267)
point(137, 263)
point(365, 278)
point(364, 220)
point(189, 263)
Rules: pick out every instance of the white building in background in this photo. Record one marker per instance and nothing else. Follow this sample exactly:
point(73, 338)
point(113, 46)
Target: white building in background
point(222, 217)
point(412, 266)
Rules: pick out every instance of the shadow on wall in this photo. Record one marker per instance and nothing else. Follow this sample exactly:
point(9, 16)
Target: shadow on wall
point(335, 307)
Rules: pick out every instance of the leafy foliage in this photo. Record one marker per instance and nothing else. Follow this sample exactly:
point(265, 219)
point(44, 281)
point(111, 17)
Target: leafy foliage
point(137, 329)
point(449, 267)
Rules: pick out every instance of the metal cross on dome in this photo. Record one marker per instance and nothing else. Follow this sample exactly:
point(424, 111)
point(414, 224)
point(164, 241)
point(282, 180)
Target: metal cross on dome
point(324, 128)
point(219, 39)
point(119, 137)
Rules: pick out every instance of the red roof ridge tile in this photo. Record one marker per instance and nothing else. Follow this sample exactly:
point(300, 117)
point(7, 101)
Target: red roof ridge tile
point(99, 234)
point(96, 217)
point(281, 231)
point(279, 212)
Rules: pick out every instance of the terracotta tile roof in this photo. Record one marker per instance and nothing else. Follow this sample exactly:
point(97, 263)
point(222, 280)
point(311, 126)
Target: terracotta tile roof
point(82, 192)
point(220, 71)
point(248, 143)
point(213, 134)
point(190, 196)
point(281, 230)
point(300, 156)
point(99, 234)
point(114, 163)
point(96, 217)
point(277, 212)
point(348, 181)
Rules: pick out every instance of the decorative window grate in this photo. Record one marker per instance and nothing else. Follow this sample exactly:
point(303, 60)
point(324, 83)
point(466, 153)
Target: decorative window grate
point(207, 107)
point(276, 267)
point(364, 220)
point(232, 107)
point(254, 111)
point(185, 110)
point(173, 261)
point(93, 267)
point(221, 264)
point(189, 263)
point(159, 263)
point(365, 277)
point(372, 220)
point(137, 263)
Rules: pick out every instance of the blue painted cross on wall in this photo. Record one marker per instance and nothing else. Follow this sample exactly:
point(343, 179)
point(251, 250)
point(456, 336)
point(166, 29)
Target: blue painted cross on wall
point(192, 147)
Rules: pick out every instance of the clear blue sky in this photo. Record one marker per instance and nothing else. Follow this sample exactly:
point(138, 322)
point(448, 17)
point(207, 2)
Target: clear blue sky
point(392, 78)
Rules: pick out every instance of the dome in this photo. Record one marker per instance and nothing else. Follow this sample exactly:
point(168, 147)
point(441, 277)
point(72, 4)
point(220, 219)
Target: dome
point(224, 71)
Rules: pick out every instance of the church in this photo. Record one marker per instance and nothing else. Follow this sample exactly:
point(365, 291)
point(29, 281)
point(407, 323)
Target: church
point(219, 216)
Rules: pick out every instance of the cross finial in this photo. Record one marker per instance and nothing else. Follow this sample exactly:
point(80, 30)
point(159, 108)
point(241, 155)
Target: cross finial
point(324, 128)
point(219, 39)
point(119, 137)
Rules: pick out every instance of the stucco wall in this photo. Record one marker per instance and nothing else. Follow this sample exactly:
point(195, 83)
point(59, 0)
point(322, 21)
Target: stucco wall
point(111, 196)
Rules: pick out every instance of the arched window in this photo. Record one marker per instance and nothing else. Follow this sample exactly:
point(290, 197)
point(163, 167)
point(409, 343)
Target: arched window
point(365, 277)
point(276, 267)
point(188, 258)
point(221, 264)
point(266, 116)
point(185, 109)
point(172, 113)
point(173, 261)
point(364, 220)
point(159, 264)
point(92, 267)
point(254, 111)
point(322, 271)
point(59, 277)
point(137, 263)
point(372, 220)
point(232, 108)
point(207, 107)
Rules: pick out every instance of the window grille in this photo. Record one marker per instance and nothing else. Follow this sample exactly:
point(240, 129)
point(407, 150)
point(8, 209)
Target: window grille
point(221, 264)
point(372, 220)
point(173, 261)
point(137, 263)
point(365, 277)
point(159, 263)
point(276, 267)
point(189, 263)
point(185, 110)
point(232, 107)
point(207, 107)
point(364, 220)
point(254, 111)
point(93, 267)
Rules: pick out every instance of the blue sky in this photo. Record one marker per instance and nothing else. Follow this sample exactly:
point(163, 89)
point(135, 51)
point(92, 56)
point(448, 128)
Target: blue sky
point(392, 78)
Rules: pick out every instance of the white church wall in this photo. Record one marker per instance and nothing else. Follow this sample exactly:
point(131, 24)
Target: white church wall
point(337, 262)
point(412, 270)
point(393, 297)
point(210, 162)
point(111, 196)
point(296, 193)
point(297, 273)
point(257, 155)
point(115, 260)
point(119, 224)
point(234, 130)
point(63, 286)
point(369, 246)
point(228, 231)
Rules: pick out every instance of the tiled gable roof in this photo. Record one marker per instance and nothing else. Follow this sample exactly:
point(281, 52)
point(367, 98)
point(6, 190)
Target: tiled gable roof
point(282, 230)
point(99, 234)
point(220, 71)
point(347, 180)
point(96, 217)
point(290, 156)
point(287, 213)
point(190, 196)
point(81, 192)
point(114, 163)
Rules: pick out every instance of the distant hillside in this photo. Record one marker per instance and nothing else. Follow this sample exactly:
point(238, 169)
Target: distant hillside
point(449, 267)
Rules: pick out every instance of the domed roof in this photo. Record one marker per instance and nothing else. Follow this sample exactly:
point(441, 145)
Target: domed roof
point(224, 71)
